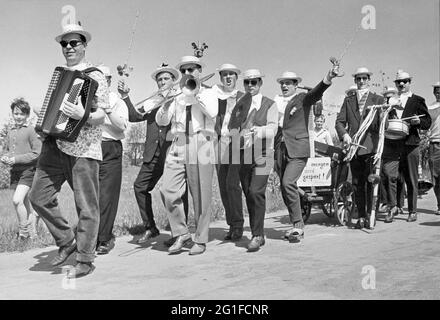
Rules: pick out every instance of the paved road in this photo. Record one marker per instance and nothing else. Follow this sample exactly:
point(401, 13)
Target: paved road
point(400, 261)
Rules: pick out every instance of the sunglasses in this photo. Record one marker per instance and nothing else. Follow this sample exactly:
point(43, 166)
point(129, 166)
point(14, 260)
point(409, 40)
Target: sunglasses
point(361, 78)
point(403, 80)
point(73, 43)
point(251, 82)
point(190, 70)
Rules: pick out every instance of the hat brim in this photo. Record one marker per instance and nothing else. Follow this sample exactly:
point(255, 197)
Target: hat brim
point(230, 69)
point(299, 79)
point(86, 35)
point(356, 74)
point(174, 72)
point(180, 64)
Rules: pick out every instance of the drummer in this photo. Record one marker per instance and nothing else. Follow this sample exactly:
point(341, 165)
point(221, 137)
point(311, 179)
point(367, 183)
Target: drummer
point(390, 160)
point(413, 105)
point(434, 143)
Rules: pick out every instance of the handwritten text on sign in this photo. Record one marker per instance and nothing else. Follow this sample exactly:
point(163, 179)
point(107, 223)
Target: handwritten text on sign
point(316, 173)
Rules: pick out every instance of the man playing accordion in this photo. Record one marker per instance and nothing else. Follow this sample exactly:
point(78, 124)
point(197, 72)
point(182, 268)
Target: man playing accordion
point(77, 162)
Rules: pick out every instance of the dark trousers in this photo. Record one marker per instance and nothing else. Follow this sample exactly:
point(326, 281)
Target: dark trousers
point(53, 169)
point(390, 170)
point(280, 167)
point(146, 180)
point(228, 174)
point(253, 178)
point(361, 166)
point(408, 166)
point(292, 171)
point(110, 177)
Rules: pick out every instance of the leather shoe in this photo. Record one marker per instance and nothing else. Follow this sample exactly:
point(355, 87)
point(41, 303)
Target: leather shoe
point(390, 216)
point(360, 224)
point(412, 216)
point(149, 234)
point(105, 247)
point(180, 242)
point(399, 211)
point(81, 269)
point(437, 213)
point(63, 253)
point(228, 235)
point(256, 243)
point(197, 248)
point(237, 234)
point(294, 235)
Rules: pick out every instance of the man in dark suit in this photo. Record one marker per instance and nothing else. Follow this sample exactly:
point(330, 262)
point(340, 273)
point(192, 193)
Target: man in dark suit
point(353, 111)
point(297, 119)
point(155, 150)
point(409, 159)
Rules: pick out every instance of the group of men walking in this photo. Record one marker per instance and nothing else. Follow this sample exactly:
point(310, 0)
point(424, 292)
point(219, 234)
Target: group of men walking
point(192, 131)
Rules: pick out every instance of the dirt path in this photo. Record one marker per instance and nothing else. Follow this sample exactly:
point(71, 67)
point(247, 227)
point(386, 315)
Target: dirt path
point(403, 259)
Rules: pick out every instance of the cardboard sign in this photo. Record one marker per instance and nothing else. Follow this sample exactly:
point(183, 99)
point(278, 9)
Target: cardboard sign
point(317, 173)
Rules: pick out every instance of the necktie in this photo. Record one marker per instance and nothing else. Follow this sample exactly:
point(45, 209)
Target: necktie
point(362, 103)
point(188, 123)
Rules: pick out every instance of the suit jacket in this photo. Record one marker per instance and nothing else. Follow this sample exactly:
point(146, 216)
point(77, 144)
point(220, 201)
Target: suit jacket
point(349, 120)
point(414, 105)
point(155, 135)
point(296, 126)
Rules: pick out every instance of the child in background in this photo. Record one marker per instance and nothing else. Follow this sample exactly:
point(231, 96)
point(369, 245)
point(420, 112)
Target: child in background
point(322, 134)
point(22, 148)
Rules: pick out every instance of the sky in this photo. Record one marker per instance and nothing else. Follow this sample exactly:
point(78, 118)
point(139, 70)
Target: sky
point(270, 35)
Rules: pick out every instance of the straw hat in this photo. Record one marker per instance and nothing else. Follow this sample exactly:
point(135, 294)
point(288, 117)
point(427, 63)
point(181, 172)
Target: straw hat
point(402, 75)
point(165, 68)
point(189, 60)
point(74, 28)
point(351, 89)
point(362, 70)
point(289, 75)
point(252, 74)
point(436, 85)
point(229, 67)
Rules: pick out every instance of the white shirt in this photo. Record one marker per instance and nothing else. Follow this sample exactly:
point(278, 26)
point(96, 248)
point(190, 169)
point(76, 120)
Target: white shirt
point(203, 112)
point(404, 97)
point(434, 131)
point(230, 98)
point(281, 102)
point(112, 131)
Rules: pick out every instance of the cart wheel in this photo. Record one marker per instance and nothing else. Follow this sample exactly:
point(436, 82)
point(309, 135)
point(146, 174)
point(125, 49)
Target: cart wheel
point(327, 208)
point(343, 202)
point(306, 208)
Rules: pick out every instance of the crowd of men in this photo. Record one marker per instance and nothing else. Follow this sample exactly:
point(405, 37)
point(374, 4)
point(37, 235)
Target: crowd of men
point(194, 130)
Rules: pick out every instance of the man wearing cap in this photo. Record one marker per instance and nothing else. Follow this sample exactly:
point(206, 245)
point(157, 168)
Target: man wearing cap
point(110, 168)
point(77, 162)
point(409, 157)
point(297, 150)
point(256, 156)
point(191, 157)
point(227, 169)
point(352, 90)
point(156, 146)
point(353, 111)
point(434, 143)
point(289, 83)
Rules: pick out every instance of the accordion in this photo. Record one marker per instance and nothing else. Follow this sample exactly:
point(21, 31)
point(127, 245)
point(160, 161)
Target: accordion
point(66, 85)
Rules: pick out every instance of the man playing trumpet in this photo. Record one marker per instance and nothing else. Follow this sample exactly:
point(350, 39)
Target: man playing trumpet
point(191, 157)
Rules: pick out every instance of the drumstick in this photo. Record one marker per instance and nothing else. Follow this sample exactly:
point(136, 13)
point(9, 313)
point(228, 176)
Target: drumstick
point(412, 117)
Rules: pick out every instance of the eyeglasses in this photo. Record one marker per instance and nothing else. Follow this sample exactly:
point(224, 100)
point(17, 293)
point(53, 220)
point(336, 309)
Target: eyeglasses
point(73, 43)
point(403, 80)
point(362, 78)
point(190, 70)
point(251, 82)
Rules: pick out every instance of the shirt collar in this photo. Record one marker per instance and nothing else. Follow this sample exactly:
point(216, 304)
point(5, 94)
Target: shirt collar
point(219, 90)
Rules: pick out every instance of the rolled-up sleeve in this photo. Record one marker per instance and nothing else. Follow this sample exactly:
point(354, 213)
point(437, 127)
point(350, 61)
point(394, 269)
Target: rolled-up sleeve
point(164, 114)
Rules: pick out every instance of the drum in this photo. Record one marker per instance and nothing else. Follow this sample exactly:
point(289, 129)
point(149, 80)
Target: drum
point(397, 129)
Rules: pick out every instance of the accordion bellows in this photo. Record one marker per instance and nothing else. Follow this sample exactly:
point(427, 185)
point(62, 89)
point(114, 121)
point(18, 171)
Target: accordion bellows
point(65, 85)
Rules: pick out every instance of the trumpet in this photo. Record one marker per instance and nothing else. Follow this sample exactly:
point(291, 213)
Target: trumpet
point(189, 85)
